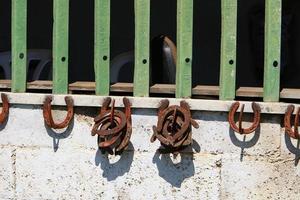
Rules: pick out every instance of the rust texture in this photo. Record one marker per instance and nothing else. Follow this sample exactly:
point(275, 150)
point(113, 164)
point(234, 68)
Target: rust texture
point(47, 113)
point(287, 122)
point(173, 128)
point(239, 128)
point(113, 127)
point(5, 108)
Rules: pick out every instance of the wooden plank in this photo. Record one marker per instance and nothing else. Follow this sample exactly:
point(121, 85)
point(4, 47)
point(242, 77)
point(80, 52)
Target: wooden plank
point(122, 87)
point(60, 46)
point(141, 48)
point(250, 92)
point(289, 93)
point(272, 50)
point(206, 90)
point(82, 86)
point(40, 85)
point(286, 93)
point(184, 48)
point(163, 89)
point(19, 45)
point(102, 46)
point(228, 50)
point(5, 84)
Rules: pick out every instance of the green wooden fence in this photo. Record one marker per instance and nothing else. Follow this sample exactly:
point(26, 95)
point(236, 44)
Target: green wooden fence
point(142, 48)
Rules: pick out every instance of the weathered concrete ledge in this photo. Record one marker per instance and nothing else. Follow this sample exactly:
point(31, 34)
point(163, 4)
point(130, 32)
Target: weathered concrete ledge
point(145, 102)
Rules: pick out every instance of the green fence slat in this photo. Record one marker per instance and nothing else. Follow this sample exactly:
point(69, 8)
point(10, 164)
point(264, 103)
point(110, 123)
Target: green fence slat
point(60, 46)
point(141, 48)
point(228, 50)
point(19, 45)
point(272, 50)
point(102, 46)
point(184, 48)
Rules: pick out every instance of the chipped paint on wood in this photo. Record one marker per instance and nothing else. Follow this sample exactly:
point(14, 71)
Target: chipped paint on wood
point(60, 46)
point(19, 45)
point(142, 48)
point(228, 50)
point(102, 46)
point(184, 48)
point(272, 50)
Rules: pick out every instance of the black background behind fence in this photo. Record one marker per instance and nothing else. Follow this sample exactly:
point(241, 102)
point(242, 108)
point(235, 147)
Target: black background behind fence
point(207, 30)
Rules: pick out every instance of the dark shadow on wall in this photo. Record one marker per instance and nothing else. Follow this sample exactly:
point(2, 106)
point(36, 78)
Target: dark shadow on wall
point(173, 173)
point(292, 148)
point(58, 135)
point(244, 144)
point(111, 171)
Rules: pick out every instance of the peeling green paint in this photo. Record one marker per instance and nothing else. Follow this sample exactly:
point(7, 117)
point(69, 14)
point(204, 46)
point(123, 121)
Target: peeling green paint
point(141, 48)
point(19, 45)
point(184, 48)
point(272, 50)
point(60, 46)
point(228, 50)
point(102, 47)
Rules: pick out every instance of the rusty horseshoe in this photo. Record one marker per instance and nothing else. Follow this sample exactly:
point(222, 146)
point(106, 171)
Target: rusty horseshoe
point(113, 127)
point(173, 128)
point(287, 122)
point(240, 129)
point(5, 108)
point(47, 113)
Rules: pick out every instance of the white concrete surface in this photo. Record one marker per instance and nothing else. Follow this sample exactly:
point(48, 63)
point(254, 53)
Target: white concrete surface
point(38, 163)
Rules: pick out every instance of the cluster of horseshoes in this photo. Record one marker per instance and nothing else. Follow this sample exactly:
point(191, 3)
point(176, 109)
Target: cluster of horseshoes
point(173, 130)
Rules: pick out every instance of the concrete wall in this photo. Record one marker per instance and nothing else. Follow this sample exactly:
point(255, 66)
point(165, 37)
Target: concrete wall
point(37, 163)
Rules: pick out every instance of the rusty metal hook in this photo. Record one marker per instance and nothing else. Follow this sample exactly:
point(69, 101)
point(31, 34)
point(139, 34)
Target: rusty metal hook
point(287, 122)
point(240, 129)
point(5, 108)
point(47, 113)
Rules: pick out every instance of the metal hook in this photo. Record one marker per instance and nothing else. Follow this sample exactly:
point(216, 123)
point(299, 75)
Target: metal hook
point(240, 129)
point(47, 113)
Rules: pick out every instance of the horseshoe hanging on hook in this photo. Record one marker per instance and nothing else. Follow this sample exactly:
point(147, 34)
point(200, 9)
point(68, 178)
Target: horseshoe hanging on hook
point(5, 108)
point(47, 113)
point(287, 122)
point(240, 129)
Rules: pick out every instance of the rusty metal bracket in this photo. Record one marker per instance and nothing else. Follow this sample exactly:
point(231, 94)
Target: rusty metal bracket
point(5, 108)
point(113, 127)
point(240, 129)
point(47, 113)
point(287, 122)
point(173, 128)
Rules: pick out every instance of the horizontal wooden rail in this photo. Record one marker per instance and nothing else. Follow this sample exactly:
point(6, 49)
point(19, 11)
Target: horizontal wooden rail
point(199, 90)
